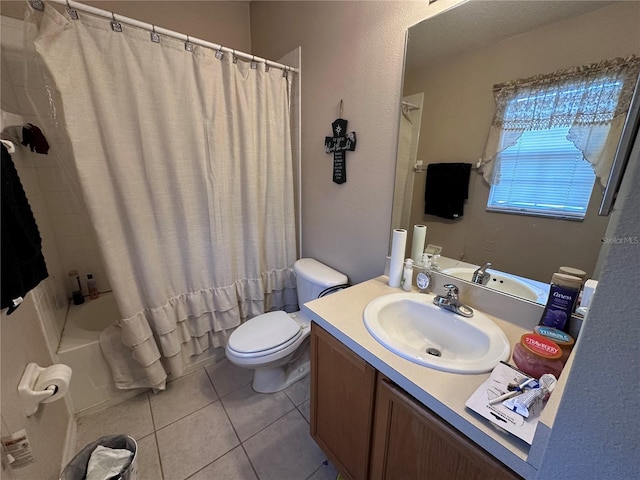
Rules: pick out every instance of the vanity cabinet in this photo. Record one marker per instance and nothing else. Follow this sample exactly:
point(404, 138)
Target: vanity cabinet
point(411, 442)
point(369, 428)
point(342, 393)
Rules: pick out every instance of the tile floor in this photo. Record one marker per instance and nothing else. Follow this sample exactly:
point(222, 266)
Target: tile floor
point(211, 425)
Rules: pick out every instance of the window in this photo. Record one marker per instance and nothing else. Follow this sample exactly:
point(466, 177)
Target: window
point(554, 135)
point(542, 174)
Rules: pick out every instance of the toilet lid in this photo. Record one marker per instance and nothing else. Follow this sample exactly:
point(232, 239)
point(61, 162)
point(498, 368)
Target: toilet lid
point(264, 332)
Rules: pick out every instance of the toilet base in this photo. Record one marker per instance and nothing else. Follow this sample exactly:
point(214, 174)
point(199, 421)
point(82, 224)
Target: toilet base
point(274, 379)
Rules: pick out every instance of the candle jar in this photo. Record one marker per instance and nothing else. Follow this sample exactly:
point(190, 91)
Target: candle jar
point(562, 339)
point(536, 355)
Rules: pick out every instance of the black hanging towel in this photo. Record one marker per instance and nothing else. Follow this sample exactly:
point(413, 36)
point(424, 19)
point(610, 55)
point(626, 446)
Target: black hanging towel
point(35, 139)
point(446, 189)
point(23, 265)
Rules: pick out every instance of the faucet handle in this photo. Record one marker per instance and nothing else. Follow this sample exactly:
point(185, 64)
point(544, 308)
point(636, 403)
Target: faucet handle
point(452, 291)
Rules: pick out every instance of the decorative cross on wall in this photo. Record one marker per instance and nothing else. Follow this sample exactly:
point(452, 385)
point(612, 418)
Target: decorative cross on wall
point(339, 144)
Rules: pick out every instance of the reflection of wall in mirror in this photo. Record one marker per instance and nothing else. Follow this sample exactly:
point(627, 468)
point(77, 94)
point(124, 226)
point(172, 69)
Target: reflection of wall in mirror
point(458, 111)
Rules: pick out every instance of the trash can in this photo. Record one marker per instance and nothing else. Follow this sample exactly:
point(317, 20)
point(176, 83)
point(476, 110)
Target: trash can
point(76, 469)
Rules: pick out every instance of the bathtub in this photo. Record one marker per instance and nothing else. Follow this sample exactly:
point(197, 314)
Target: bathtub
point(92, 386)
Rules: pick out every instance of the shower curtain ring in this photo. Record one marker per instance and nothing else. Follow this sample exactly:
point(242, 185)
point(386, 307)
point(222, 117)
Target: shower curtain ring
point(155, 36)
point(188, 46)
point(115, 25)
point(235, 59)
point(285, 72)
point(254, 64)
point(72, 12)
point(219, 53)
point(266, 65)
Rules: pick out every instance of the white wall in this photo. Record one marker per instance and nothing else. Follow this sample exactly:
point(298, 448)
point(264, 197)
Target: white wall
point(351, 51)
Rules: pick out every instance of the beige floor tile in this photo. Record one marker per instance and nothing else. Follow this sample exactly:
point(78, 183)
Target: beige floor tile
point(250, 412)
point(305, 410)
point(298, 393)
point(148, 460)
point(195, 441)
point(131, 417)
point(285, 450)
point(182, 397)
point(326, 472)
point(227, 377)
point(233, 466)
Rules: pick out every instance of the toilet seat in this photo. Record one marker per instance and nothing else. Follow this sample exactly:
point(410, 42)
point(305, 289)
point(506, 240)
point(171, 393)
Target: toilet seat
point(263, 335)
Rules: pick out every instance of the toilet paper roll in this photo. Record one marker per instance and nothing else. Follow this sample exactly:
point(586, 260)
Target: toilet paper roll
point(417, 244)
point(56, 377)
point(398, 245)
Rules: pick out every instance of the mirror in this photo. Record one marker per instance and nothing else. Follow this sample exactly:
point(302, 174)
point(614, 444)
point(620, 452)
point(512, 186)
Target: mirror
point(452, 62)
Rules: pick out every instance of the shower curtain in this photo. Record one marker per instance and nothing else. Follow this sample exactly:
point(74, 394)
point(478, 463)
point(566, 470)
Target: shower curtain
point(184, 164)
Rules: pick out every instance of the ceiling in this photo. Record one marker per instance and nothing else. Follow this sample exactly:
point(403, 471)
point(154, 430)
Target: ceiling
point(479, 22)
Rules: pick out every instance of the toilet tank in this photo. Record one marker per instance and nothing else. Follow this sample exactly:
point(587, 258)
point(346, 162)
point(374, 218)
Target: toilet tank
point(313, 277)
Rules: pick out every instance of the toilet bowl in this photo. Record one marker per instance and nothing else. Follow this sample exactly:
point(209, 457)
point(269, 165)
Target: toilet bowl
point(276, 344)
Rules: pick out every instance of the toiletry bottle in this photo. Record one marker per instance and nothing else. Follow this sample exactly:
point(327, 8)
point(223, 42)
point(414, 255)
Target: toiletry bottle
point(76, 288)
point(92, 286)
point(407, 275)
point(562, 299)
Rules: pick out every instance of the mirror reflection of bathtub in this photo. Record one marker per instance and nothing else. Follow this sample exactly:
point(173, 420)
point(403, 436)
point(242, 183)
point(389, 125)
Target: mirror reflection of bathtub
point(92, 387)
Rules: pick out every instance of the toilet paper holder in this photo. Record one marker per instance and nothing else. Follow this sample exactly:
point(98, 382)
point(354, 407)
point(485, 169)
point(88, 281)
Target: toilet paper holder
point(32, 395)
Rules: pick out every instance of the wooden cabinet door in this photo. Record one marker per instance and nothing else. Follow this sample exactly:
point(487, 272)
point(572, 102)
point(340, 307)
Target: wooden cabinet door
point(342, 392)
point(411, 442)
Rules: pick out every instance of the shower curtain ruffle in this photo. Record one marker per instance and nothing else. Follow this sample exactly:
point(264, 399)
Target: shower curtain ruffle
point(189, 325)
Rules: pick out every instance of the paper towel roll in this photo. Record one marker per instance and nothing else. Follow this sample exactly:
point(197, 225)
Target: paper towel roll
point(417, 244)
point(398, 245)
point(57, 376)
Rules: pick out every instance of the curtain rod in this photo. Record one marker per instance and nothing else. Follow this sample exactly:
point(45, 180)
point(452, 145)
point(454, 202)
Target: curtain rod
point(38, 5)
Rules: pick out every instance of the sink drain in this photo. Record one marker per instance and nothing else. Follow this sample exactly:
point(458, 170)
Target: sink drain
point(434, 351)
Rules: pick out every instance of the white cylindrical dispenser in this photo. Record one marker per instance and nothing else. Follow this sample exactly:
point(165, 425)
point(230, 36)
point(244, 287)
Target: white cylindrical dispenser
point(398, 245)
point(417, 244)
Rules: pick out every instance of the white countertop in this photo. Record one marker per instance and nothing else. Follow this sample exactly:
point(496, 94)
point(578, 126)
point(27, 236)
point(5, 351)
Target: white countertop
point(444, 393)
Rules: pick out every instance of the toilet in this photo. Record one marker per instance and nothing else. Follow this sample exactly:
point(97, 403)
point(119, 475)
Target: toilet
point(276, 344)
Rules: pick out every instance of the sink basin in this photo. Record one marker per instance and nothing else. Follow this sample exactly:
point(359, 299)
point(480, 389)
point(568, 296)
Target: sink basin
point(410, 325)
point(500, 282)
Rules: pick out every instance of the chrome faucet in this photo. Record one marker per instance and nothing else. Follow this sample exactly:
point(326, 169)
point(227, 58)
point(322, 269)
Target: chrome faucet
point(480, 275)
point(451, 302)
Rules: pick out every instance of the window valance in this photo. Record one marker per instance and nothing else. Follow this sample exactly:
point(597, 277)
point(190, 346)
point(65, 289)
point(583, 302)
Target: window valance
point(595, 96)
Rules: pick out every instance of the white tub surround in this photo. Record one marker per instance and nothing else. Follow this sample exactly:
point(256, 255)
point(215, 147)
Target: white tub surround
point(442, 392)
point(92, 387)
